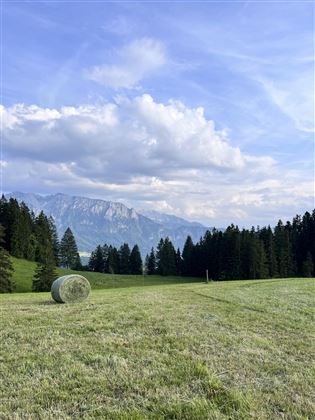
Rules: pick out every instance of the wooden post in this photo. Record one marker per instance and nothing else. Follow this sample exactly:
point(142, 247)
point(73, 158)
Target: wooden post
point(207, 276)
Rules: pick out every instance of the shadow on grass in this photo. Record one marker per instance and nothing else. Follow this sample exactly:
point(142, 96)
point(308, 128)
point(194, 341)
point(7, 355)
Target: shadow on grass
point(47, 302)
point(250, 308)
point(259, 282)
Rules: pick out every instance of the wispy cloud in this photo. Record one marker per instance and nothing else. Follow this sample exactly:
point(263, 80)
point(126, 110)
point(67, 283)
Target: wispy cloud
point(295, 99)
point(132, 63)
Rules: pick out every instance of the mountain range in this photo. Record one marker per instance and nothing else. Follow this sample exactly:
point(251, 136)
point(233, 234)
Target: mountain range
point(95, 221)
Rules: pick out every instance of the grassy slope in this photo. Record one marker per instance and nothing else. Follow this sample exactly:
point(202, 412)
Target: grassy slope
point(228, 350)
point(24, 272)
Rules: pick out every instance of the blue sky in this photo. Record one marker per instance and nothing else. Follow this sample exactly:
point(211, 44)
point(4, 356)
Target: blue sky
point(201, 109)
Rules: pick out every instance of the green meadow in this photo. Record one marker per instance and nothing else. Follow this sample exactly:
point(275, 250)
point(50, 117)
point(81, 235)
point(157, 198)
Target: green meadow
point(160, 348)
point(24, 272)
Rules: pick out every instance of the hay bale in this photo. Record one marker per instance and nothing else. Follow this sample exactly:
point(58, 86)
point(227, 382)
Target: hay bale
point(71, 288)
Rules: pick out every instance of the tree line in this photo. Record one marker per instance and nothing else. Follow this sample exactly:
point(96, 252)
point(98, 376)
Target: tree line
point(108, 259)
point(34, 238)
point(287, 250)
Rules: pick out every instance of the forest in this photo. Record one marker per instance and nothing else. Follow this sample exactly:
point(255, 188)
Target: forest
point(287, 250)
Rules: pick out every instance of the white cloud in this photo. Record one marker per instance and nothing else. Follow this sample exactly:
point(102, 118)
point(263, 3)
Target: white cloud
point(147, 154)
point(132, 63)
point(147, 139)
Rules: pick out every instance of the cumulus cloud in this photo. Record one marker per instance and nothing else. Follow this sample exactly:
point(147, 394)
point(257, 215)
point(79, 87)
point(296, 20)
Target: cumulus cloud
point(123, 139)
point(132, 63)
point(147, 154)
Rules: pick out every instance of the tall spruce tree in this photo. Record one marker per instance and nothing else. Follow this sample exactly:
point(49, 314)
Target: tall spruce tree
point(9, 216)
point(216, 254)
point(283, 249)
point(151, 267)
point(113, 261)
point(45, 273)
point(178, 263)
point(21, 231)
point(6, 268)
point(188, 257)
point(44, 238)
point(96, 262)
point(231, 253)
point(124, 258)
point(55, 240)
point(69, 255)
point(166, 264)
point(266, 235)
point(135, 261)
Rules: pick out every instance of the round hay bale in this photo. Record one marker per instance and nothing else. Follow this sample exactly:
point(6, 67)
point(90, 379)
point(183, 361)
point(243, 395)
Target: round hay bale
point(71, 288)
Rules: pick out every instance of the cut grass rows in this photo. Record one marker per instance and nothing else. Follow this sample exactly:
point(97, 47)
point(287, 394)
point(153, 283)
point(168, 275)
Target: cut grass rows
point(228, 350)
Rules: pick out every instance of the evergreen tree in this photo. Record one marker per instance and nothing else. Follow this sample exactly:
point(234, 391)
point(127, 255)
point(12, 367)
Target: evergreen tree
point(266, 235)
point(166, 264)
point(151, 263)
point(55, 241)
point(312, 236)
point(69, 255)
point(113, 261)
point(253, 256)
point(77, 263)
point(205, 259)
point(32, 247)
point(178, 263)
point(216, 254)
point(304, 241)
point(96, 262)
point(105, 250)
point(91, 263)
point(146, 263)
point(283, 249)
point(262, 263)
point(10, 211)
point(21, 231)
point(308, 266)
point(170, 255)
point(135, 261)
point(124, 258)
point(6, 268)
point(45, 273)
point(248, 266)
point(231, 253)
point(187, 255)
point(44, 238)
point(159, 257)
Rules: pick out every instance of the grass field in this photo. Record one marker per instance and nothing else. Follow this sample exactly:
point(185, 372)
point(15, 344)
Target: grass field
point(225, 350)
point(24, 273)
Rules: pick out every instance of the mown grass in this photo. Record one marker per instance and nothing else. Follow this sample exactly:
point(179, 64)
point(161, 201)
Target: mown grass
point(24, 273)
point(226, 350)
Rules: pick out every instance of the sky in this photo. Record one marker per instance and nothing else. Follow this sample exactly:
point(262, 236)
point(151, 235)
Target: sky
point(204, 110)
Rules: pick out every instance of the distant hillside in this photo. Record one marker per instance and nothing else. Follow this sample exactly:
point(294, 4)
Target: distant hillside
point(24, 272)
point(96, 222)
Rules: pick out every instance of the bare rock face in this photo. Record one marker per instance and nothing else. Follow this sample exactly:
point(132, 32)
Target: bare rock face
point(95, 222)
point(70, 289)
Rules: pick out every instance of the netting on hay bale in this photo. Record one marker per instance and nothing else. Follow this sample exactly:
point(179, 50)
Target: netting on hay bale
point(71, 288)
